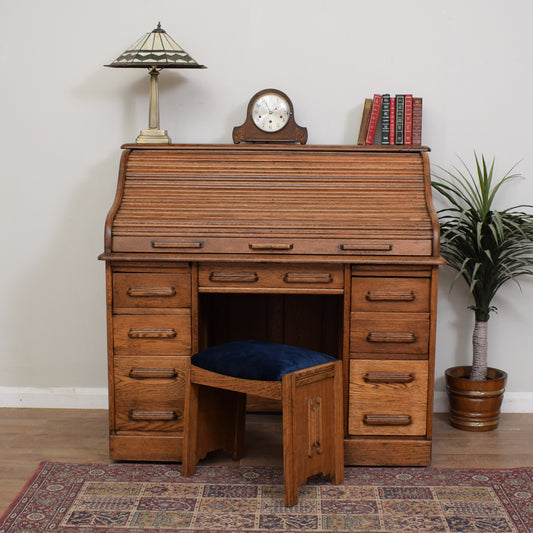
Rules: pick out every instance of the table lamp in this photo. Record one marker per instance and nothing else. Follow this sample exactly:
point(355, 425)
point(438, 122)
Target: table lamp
point(155, 50)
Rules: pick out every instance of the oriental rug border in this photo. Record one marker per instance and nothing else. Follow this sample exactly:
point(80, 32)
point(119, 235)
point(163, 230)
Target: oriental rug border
point(147, 498)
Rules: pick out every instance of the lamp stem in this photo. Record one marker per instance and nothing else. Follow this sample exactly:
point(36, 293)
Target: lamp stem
point(153, 122)
point(153, 134)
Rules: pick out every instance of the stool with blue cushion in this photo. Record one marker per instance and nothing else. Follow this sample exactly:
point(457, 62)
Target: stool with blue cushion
point(309, 385)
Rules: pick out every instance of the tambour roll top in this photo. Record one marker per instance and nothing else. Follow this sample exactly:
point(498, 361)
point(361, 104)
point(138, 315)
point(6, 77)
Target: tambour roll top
point(273, 199)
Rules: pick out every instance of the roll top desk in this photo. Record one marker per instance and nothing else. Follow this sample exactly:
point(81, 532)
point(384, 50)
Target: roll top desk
point(333, 248)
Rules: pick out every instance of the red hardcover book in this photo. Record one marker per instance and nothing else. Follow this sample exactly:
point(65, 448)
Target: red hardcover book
point(392, 134)
point(408, 120)
point(374, 117)
point(417, 121)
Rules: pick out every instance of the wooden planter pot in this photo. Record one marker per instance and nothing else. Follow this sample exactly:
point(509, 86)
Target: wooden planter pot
point(475, 405)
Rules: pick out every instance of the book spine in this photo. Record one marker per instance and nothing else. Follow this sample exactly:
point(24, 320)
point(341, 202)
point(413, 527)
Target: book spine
point(392, 124)
point(417, 121)
point(374, 117)
point(408, 120)
point(400, 109)
point(385, 119)
point(365, 119)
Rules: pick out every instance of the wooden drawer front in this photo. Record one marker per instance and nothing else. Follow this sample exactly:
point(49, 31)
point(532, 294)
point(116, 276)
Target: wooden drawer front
point(390, 294)
point(253, 276)
point(134, 290)
point(389, 333)
point(387, 397)
point(152, 334)
point(274, 245)
point(149, 393)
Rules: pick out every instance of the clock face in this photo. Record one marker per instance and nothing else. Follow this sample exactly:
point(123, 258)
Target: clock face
point(270, 112)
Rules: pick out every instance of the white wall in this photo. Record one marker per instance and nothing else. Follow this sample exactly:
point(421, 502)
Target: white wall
point(64, 117)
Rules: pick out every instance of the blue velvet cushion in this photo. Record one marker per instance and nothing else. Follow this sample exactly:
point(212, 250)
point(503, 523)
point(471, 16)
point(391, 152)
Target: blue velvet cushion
point(266, 361)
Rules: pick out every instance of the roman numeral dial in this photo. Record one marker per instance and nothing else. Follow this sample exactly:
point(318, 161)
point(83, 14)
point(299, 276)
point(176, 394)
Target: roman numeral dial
point(270, 112)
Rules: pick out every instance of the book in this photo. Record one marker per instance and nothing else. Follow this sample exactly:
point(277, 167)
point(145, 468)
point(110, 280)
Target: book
point(400, 110)
point(417, 121)
point(385, 119)
point(365, 120)
point(374, 117)
point(408, 120)
point(392, 125)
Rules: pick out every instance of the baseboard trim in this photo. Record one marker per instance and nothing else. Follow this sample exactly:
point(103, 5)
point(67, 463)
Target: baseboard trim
point(54, 397)
point(96, 398)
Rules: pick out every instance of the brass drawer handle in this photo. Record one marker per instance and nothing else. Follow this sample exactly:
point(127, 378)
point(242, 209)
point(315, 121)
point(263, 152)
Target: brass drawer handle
point(307, 277)
point(271, 246)
point(147, 415)
point(151, 292)
point(160, 244)
point(147, 333)
point(387, 420)
point(245, 277)
point(385, 296)
point(388, 378)
point(383, 337)
point(366, 247)
point(152, 373)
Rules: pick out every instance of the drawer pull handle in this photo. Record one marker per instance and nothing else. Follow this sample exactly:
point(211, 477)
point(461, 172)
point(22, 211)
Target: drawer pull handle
point(386, 378)
point(245, 277)
point(271, 246)
point(146, 415)
point(387, 420)
point(163, 333)
point(384, 337)
point(366, 247)
point(151, 292)
point(307, 277)
point(384, 296)
point(150, 373)
point(160, 244)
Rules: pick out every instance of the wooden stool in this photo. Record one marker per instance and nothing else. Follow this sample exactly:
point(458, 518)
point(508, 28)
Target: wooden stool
point(309, 385)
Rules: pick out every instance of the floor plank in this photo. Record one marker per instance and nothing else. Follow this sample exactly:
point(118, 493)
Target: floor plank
point(29, 436)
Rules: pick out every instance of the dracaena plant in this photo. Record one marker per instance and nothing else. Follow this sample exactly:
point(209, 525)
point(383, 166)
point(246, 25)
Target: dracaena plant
point(487, 247)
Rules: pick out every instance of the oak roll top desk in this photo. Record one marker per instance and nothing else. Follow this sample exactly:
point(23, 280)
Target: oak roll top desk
point(332, 248)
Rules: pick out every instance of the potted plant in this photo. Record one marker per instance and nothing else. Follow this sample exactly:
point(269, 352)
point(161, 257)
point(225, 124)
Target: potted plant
point(487, 247)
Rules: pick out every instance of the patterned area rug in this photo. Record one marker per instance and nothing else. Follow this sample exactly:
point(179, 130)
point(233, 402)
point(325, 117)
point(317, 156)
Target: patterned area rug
point(107, 498)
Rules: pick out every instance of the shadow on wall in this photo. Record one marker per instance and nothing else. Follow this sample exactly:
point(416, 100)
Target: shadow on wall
point(454, 323)
point(58, 326)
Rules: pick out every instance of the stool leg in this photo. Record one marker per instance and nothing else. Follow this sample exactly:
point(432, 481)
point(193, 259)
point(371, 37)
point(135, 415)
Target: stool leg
point(238, 445)
point(290, 477)
point(313, 438)
point(214, 419)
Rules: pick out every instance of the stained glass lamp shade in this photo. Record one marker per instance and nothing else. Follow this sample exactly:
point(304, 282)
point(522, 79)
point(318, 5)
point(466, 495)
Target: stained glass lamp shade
point(155, 50)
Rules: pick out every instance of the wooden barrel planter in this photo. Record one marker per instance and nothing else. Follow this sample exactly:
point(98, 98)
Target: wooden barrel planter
point(475, 405)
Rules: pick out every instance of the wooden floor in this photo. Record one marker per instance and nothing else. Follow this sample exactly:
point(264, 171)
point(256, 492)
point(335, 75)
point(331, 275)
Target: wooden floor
point(28, 436)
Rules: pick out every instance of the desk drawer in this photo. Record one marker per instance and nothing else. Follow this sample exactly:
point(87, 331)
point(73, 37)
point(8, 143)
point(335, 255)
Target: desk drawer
point(151, 290)
point(272, 245)
point(149, 393)
point(387, 397)
point(389, 333)
point(384, 294)
point(258, 276)
point(152, 334)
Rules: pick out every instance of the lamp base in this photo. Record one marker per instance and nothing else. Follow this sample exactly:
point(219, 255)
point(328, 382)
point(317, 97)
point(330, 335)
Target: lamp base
point(153, 136)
